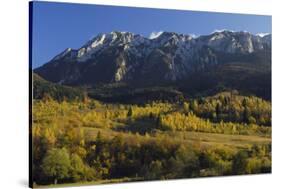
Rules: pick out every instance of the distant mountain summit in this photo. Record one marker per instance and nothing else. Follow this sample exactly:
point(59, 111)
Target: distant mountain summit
point(127, 57)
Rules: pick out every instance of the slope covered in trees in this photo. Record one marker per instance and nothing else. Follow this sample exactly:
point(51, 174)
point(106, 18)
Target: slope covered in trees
point(45, 89)
point(87, 140)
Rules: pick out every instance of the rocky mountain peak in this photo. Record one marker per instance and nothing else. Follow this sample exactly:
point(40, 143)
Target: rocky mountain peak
point(123, 56)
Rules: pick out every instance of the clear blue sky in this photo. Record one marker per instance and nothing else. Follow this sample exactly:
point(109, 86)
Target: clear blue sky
point(57, 26)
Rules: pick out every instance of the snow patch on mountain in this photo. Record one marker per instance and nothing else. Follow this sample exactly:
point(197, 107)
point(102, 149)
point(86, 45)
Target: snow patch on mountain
point(221, 30)
point(154, 34)
point(262, 34)
point(194, 36)
point(62, 54)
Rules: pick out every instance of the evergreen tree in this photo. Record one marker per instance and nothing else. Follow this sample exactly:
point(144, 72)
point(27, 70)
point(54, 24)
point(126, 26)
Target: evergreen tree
point(130, 112)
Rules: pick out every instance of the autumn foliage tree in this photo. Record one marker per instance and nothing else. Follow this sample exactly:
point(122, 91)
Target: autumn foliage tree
point(57, 164)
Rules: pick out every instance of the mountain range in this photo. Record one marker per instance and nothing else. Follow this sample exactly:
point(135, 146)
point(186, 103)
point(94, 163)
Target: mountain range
point(224, 59)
